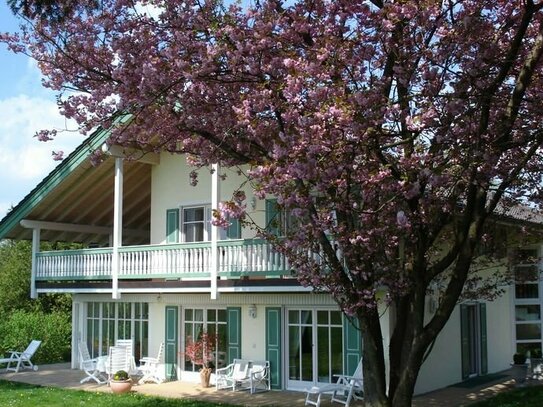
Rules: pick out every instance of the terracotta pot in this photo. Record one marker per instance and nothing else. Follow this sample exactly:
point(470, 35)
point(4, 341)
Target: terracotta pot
point(205, 375)
point(120, 386)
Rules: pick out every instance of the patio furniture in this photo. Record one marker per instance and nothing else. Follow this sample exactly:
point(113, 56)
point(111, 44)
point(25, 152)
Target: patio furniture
point(343, 391)
point(89, 365)
point(129, 345)
point(149, 367)
point(233, 375)
point(259, 377)
point(118, 359)
point(23, 359)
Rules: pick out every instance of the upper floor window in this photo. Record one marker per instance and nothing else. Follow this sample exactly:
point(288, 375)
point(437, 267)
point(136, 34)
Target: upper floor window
point(526, 272)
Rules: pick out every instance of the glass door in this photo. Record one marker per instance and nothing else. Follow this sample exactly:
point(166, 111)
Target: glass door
point(314, 347)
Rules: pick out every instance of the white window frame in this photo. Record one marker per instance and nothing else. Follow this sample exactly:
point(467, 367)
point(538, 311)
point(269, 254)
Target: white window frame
point(207, 221)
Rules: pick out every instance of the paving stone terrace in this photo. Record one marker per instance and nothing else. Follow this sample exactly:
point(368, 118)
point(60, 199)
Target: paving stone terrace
point(60, 375)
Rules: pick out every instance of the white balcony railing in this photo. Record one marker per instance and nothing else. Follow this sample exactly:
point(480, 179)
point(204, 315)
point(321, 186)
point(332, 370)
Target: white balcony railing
point(235, 258)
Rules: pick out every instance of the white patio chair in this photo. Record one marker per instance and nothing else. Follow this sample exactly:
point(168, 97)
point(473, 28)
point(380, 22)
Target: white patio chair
point(22, 359)
point(118, 359)
point(343, 391)
point(89, 365)
point(149, 367)
point(259, 377)
point(231, 376)
point(129, 345)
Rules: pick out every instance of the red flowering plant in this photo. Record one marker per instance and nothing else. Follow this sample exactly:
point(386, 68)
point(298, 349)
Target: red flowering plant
point(201, 351)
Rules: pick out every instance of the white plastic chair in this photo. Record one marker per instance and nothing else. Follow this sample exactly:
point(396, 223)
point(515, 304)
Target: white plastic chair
point(343, 391)
point(22, 359)
point(129, 345)
point(118, 359)
point(259, 377)
point(149, 367)
point(89, 365)
point(231, 376)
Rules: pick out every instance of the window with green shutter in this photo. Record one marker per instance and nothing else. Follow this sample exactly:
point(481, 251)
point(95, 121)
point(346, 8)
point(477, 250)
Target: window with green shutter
point(233, 323)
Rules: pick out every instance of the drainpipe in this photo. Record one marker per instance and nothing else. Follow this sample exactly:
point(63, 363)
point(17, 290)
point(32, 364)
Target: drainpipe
point(117, 227)
point(215, 191)
point(35, 251)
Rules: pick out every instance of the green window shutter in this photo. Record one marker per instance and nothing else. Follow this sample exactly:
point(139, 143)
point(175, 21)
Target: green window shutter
point(172, 226)
point(170, 353)
point(484, 352)
point(273, 218)
point(234, 230)
point(273, 344)
point(233, 323)
point(352, 345)
point(464, 342)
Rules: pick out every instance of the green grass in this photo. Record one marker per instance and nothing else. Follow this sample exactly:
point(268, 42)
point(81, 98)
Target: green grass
point(26, 395)
point(524, 397)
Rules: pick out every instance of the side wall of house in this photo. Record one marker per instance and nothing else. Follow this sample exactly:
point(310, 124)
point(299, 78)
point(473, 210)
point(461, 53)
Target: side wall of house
point(444, 364)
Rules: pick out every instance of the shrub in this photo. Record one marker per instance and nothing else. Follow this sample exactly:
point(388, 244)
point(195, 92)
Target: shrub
point(121, 375)
point(53, 329)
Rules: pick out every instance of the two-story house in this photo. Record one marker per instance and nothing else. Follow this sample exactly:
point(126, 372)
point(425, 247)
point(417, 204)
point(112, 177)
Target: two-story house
point(156, 270)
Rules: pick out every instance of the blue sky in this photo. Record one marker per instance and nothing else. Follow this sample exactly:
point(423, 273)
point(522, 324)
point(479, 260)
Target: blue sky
point(25, 107)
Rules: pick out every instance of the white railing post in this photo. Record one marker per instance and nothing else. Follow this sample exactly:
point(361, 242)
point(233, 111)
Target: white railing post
point(117, 227)
point(215, 191)
point(35, 251)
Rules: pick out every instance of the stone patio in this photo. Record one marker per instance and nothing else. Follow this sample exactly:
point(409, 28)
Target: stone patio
point(60, 375)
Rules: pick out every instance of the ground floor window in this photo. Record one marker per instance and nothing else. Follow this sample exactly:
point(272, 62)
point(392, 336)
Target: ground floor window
point(210, 320)
point(528, 301)
point(109, 321)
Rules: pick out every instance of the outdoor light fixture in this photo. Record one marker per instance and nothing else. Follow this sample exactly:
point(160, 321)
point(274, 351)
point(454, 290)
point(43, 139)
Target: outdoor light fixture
point(252, 311)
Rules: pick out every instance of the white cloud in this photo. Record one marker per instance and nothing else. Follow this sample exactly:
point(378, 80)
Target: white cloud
point(25, 161)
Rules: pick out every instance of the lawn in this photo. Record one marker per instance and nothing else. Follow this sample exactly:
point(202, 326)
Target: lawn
point(27, 395)
point(524, 397)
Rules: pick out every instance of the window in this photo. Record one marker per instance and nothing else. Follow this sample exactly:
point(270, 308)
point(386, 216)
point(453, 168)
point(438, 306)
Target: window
point(212, 321)
point(196, 224)
point(527, 302)
point(278, 222)
point(109, 321)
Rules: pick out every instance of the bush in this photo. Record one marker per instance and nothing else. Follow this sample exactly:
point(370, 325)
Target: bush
point(121, 375)
point(53, 329)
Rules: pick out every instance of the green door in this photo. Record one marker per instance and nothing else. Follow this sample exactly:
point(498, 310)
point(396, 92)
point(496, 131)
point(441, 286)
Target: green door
point(170, 353)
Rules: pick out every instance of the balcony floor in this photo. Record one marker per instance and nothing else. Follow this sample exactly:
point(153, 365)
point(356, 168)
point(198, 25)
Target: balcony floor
point(60, 375)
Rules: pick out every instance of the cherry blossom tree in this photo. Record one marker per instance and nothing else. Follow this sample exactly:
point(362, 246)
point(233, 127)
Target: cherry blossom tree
point(389, 131)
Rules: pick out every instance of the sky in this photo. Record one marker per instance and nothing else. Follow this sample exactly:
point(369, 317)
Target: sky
point(25, 108)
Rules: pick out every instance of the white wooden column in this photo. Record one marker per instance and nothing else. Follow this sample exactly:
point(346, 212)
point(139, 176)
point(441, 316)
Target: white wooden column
point(215, 192)
point(117, 226)
point(35, 251)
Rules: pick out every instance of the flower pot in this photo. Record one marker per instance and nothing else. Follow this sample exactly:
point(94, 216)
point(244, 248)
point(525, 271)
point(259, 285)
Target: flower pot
point(120, 386)
point(205, 375)
point(519, 373)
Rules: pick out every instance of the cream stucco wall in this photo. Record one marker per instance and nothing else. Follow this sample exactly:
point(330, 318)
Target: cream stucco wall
point(444, 364)
point(170, 188)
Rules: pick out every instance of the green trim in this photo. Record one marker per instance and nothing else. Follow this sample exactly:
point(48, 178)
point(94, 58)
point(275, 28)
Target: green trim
point(51, 181)
point(172, 225)
point(464, 340)
point(171, 339)
point(274, 273)
point(233, 326)
point(78, 252)
point(352, 345)
point(273, 344)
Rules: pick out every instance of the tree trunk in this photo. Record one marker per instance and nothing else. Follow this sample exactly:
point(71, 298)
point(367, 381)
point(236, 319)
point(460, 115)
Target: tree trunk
point(373, 360)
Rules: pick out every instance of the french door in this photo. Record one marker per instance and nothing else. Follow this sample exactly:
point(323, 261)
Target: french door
point(314, 346)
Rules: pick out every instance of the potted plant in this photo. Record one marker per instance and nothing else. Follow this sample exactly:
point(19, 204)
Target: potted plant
point(519, 368)
point(121, 382)
point(201, 353)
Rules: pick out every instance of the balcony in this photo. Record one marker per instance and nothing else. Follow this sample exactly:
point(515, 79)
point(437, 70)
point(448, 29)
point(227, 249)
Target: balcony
point(185, 261)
